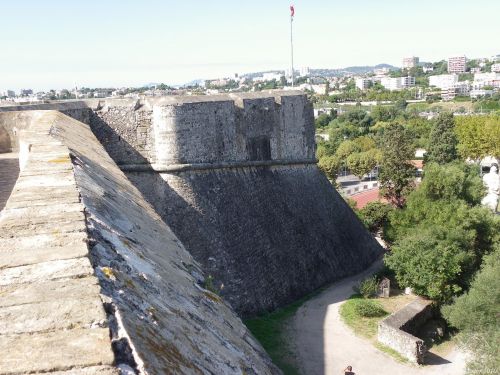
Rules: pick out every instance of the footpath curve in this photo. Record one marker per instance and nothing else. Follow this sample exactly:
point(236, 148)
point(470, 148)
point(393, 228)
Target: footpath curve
point(324, 345)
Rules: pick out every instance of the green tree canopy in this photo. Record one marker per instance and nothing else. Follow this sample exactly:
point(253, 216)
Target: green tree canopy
point(476, 314)
point(442, 220)
point(361, 163)
point(478, 136)
point(397, 173)
point(442, 140)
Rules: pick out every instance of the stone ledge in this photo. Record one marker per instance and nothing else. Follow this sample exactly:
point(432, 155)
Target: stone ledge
point(209, 166)
point(55, 351)
point(61, 314)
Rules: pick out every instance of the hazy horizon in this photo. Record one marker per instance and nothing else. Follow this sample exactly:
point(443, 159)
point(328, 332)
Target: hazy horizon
point(54, 44)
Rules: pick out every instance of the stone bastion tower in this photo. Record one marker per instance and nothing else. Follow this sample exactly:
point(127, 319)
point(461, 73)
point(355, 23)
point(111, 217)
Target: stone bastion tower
point(235, 177)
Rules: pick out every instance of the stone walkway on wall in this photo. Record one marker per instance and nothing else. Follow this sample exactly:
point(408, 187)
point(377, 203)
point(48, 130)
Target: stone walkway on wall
point(51, 316)
point(9, 170)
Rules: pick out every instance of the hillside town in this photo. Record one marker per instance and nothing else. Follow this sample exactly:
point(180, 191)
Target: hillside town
point(455, 77)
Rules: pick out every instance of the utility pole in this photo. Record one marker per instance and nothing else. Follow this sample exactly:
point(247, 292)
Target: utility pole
point(292, 13)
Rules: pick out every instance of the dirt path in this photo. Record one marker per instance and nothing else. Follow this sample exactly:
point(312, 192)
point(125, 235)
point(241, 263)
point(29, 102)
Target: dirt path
point(324, 345)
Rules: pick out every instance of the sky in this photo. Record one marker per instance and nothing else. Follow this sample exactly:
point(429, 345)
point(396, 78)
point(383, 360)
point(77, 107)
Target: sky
point(53, 44)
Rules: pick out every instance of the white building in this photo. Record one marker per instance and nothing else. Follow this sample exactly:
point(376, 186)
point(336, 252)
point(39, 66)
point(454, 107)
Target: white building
point(486, 79)
point(363, 83)
point(443, 81)
point(495, 68)
point(410, 62)
point(391, 83)
point(268, 77)
point(457, 64)
point(478, 93)
point(304, 71)
point(457, 89)
point(8, 93)
point(428, 68)
point(397, 83)
point(317, 89)
point(407, 82)
point(382, 72)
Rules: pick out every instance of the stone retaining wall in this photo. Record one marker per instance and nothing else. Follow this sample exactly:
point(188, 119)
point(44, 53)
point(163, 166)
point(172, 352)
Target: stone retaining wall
point(398, 329)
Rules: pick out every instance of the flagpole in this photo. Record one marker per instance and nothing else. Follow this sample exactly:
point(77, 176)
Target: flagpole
point(291, 45)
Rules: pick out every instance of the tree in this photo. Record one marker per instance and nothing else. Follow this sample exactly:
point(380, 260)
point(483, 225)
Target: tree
point(362, 163)
point(384, 113)
point(322, 120)
point(430, 261)
point(442, 233)
point(476, 315)
point(442, 141)
point(375, 215)
point(478, 136)
point(396, 174)
point(330, 165)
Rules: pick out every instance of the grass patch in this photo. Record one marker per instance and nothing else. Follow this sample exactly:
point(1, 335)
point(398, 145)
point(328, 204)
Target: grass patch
point(269, 330)
point(351, 314)
point(398, 357)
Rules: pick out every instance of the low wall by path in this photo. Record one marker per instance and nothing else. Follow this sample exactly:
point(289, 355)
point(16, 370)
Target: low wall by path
point(398, 329)
point(161, 320)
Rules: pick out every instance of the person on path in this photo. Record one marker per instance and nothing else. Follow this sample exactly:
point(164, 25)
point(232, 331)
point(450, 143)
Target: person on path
point(348, 371)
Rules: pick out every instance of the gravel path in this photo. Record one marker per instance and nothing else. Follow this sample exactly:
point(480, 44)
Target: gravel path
point(324, 345)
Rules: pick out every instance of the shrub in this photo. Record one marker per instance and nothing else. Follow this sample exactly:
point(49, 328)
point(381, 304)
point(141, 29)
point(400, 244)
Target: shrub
point(368, 287)
point(369, 309)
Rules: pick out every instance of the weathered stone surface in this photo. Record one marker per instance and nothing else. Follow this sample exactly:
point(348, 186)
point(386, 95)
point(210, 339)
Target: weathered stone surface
point(43, 196)
point(60, 225)
point(52, 351)
point(268, 235)
point(94, 370)
point(241, 191)
point(68, 313)
point(51, 290)
point(57, 269)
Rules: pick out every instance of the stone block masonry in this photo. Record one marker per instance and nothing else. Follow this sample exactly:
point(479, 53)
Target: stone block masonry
point(138, 304)
point(234, 176)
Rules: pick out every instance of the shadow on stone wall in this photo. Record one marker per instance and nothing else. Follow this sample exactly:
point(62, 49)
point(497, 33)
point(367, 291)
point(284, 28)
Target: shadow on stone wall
point(267, 235)
point(5, 143)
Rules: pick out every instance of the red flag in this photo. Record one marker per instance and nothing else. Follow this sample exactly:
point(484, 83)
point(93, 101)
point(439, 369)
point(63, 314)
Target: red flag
point(292, 11)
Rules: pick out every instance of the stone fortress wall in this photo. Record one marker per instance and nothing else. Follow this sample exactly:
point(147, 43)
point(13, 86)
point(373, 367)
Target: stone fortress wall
point(234, 177)
point(92, 279)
